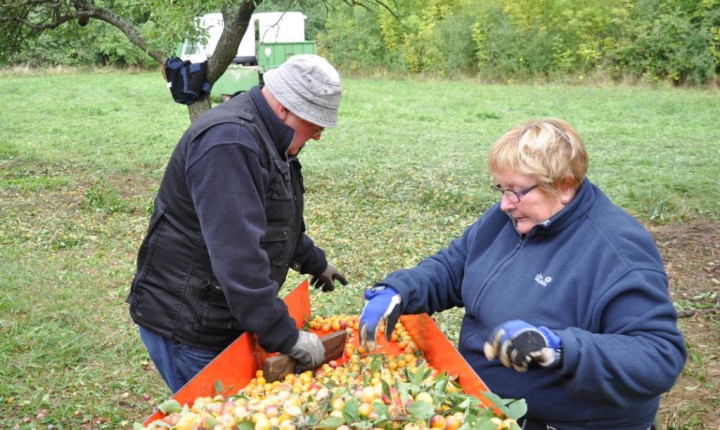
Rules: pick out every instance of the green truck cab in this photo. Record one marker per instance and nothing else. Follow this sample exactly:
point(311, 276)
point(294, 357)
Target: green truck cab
point(240, 77)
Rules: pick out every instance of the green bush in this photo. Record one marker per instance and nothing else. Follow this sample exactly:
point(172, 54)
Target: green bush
point(676, 40)
point(507, 50)
point(456, 40)
point(542, 38)
point(352, 40)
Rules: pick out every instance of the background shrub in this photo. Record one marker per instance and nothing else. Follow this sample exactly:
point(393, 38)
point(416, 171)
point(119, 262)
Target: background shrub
point(677, 41)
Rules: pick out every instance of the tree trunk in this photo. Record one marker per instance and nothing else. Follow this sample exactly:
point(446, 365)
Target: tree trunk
point(236, 22)
point(199, 107)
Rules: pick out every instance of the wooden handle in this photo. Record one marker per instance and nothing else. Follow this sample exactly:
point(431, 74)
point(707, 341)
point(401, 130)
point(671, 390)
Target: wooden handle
point(279, 365)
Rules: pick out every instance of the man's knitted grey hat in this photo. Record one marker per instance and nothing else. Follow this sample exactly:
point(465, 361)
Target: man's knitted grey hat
point(308, 86)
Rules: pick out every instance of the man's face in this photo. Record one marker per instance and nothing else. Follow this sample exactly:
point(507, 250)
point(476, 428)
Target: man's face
point(304, 131)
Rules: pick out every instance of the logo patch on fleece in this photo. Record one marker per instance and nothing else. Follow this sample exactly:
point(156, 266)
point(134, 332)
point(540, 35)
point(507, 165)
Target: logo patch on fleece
point(542, 279)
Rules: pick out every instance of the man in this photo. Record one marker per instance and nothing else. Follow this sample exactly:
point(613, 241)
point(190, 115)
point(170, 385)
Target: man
point(228, 223)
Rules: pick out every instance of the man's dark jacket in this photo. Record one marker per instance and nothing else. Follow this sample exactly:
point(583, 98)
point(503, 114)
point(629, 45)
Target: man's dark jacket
point(227, 224)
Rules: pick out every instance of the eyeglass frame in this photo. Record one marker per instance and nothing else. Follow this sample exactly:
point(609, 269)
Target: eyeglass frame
point(318, 130)
point(519, 194)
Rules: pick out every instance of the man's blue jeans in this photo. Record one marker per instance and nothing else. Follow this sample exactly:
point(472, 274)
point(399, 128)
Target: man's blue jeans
point(176, 362)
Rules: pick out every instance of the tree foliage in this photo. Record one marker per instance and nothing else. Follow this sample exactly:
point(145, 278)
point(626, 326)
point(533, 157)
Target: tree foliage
point(673, 40)
point(153, 26)
point(667, 40)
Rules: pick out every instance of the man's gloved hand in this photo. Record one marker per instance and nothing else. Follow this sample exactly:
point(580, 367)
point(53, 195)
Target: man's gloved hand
point(383, 304)
point(517, 343)
point(308, 351)
point(327, 278)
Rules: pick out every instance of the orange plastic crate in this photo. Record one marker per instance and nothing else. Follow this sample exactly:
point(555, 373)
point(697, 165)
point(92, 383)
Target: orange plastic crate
point(236, 365)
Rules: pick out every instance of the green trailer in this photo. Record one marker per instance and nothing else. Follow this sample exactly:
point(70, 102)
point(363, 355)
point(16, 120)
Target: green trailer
point(239, 77)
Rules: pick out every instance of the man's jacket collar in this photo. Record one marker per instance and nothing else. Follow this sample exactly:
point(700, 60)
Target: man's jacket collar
point(280, 133)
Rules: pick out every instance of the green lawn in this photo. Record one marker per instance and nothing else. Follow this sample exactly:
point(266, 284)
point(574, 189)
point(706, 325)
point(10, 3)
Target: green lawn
point(81, 155)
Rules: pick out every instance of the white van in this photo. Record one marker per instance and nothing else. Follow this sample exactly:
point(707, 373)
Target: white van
point(273, 27)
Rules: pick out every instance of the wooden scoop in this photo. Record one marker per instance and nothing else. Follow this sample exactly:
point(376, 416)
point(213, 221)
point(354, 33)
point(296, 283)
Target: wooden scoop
point(279, 365)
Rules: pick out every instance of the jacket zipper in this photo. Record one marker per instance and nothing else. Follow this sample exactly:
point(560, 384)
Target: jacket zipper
point(516, 250)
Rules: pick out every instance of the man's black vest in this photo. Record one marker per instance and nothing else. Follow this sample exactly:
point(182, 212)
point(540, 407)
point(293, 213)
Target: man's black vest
point(175, 292)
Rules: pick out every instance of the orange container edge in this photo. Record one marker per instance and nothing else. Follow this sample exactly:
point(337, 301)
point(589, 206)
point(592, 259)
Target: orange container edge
point(229, 373)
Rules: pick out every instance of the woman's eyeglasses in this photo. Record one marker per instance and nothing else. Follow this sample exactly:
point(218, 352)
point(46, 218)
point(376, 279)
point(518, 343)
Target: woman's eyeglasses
point(514, 196)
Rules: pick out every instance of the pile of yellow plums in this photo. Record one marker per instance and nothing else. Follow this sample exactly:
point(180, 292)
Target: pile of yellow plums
point(360, 391)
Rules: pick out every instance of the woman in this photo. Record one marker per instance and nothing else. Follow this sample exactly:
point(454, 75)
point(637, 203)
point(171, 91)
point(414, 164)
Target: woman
point(566, 299)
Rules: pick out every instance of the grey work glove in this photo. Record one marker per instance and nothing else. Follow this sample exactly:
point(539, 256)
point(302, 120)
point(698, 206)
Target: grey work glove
point(327, 279)
point(308, 351)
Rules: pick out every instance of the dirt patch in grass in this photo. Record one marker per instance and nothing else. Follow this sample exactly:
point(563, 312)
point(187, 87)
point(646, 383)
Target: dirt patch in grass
point(692, 259)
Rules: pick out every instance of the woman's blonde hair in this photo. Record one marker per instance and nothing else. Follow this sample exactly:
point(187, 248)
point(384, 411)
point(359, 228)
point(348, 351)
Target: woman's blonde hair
point(549, 150)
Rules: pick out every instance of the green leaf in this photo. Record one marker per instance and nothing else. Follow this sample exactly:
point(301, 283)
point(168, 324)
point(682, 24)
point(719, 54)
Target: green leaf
point(509, 407)
point(170, 406)
point(517, 409)
point(496, 400)
point(403, 390)
point(465, 404)
point(219, 387)
point(362, 424)
point(245, 425)
point(441, 382)
point(421, 410)
point(376, 364)
point(484, 425)
point(331, 422)
point(211, 422)
point(240, 395)
point(350, 410)
point(338, 393)
point(385, 387)
point(381, 409)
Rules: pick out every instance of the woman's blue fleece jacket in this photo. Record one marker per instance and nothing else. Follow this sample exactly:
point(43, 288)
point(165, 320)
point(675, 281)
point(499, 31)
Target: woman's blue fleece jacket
point(593, 275)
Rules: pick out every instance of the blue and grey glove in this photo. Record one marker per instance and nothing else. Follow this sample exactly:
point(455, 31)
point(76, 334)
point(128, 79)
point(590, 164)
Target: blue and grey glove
point(327, 278)
point(383, 304)
point(308, 351)
point(517, 343)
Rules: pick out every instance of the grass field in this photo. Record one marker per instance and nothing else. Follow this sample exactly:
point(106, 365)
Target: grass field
point(82, 153)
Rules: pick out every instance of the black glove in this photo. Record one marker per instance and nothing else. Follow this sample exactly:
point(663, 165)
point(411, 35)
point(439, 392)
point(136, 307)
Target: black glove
point(517, 343)
point(326, 279)
point(308, 351)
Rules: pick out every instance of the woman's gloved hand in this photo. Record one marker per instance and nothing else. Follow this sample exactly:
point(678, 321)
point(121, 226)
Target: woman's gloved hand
point(383, 304)
point(308, 351)
point(517, 343)
point(327, 278)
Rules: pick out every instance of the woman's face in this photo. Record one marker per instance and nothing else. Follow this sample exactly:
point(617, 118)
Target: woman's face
point(533, 208)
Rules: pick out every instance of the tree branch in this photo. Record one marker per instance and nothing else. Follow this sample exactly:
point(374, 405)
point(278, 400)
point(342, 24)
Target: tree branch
point(236, 23)
point(60, 13)
point(126, 27)
point(381, 3)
